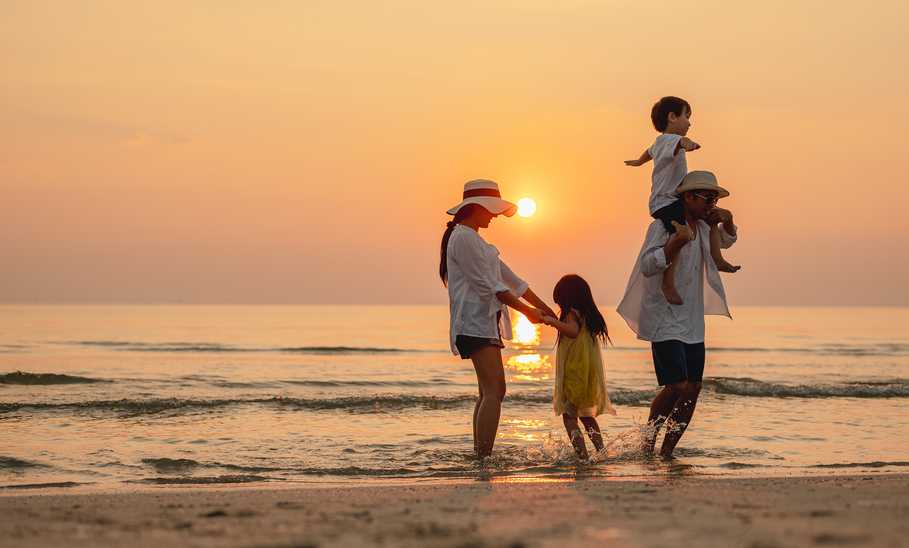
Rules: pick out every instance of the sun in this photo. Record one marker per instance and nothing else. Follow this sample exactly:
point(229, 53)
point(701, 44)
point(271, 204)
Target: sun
point(526, 207)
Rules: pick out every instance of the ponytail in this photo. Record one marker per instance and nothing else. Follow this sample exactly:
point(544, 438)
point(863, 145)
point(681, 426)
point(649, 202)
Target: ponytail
point(462, 214)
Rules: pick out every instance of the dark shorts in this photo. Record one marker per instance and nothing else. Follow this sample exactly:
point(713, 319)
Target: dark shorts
point(673, 212)
point(467, 345)
point(675, 361)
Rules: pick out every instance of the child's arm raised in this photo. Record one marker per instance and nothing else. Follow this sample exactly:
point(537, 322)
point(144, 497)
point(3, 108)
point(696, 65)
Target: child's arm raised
point(687, 144)
point(645, 157)
point(570, 327)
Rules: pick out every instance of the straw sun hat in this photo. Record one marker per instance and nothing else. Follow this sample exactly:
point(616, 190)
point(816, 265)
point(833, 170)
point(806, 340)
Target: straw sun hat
point(701, 180)
point(485, 193)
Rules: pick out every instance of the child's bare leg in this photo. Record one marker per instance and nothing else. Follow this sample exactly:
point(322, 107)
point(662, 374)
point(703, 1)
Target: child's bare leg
point(575, 435)
point(669, 285)
point(593, 432)
point(682, 232)
point(716, 251)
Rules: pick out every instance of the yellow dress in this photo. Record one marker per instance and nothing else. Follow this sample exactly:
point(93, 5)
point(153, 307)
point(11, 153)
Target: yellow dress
point(580, 386)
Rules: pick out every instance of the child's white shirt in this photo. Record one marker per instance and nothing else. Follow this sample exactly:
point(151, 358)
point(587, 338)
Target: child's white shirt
point(669, 168)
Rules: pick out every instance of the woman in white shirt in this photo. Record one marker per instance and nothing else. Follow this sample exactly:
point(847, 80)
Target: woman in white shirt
point(480, 289)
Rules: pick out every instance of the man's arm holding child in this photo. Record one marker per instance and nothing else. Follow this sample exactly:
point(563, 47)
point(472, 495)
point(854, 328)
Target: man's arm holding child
point(645, 157)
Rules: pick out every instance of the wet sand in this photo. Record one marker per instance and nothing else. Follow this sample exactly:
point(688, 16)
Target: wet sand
point(674, 511)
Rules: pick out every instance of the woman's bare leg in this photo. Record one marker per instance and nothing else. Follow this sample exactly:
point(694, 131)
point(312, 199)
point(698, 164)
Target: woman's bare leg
point(476, 410)
point(487, 362)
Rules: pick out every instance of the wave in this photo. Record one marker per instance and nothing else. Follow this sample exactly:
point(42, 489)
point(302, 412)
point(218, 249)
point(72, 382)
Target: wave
point(42, 485)
point(873, 464)
point(22, 377)
point(132, 346)
point(361, 404)
point(12, 463)
point(12, 348)
point(380, 403)
point(166, 465)
point(203, 480)
point(748, 387)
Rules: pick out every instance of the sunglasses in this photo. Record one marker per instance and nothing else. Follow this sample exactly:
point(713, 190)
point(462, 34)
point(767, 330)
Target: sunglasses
point(709, 198)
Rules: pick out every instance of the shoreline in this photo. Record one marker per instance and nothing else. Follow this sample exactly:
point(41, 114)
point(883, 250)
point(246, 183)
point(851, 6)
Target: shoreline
point(760, 512)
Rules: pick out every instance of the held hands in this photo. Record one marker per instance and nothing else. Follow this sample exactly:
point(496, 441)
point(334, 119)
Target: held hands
point(549, 320)
point(535, 315)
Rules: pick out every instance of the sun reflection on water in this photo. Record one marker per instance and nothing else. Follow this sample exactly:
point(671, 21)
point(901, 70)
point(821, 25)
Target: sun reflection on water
point(525, 332)
point(530, 367)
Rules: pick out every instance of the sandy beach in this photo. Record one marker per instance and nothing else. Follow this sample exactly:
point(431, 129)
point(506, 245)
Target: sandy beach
point(669, 511)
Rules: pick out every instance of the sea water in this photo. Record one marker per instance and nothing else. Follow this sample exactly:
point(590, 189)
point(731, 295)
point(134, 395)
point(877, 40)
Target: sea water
point(119, 395)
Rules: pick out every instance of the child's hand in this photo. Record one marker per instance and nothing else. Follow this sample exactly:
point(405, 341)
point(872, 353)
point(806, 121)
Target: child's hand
point(688, 144)
point(683, 231)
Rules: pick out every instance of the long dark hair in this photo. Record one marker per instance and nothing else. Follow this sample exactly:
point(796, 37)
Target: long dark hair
point(462, 214)
point(572, 291)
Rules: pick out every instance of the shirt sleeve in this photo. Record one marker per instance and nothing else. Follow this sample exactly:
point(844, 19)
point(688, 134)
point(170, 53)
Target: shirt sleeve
point(517, 285)
point(474, 263)
point(664, 147)
point(653, 257)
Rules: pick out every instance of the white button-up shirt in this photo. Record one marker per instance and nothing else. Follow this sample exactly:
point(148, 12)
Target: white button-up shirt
point(645, 308)
point(475, 275)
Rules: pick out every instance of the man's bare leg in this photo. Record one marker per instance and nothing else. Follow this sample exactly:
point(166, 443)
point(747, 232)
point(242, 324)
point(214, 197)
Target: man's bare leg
point(660, 409)
point(680, 417)
point(716, 251)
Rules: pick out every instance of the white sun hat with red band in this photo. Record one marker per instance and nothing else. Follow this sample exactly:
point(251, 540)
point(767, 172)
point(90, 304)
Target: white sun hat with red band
point(485, 193)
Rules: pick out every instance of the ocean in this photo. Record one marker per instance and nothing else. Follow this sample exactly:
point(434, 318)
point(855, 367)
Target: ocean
point(112, 396)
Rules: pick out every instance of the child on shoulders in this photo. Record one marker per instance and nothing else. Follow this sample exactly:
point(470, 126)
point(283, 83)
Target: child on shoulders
point(671, 117)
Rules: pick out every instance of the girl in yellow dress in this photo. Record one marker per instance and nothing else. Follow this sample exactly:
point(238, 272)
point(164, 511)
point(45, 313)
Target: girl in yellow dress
point(580, 384)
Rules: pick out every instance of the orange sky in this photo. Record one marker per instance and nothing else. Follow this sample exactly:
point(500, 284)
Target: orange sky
point(305, 152)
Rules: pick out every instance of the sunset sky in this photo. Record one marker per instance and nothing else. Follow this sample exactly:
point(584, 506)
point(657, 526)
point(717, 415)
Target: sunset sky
point(305, 152)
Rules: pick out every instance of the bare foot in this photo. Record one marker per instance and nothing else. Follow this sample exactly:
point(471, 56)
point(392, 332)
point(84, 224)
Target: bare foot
point(724, 266)
point(671, 294)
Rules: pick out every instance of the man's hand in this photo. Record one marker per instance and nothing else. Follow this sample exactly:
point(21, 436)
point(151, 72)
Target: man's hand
point(683, 231)
point(688, 144)
point(718, 215)
point(634, 163)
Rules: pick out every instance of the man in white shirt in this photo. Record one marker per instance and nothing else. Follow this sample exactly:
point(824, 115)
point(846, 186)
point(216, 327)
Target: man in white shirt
point(676, 332)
